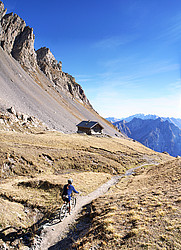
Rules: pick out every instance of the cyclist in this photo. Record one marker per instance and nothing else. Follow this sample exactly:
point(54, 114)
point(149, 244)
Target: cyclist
point(67, 191)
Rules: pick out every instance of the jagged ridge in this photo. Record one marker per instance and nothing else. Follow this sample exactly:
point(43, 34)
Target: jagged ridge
point(34, 83)
point(17, 39)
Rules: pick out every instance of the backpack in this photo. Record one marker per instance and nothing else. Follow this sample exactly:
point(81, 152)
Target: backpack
point(64, 193)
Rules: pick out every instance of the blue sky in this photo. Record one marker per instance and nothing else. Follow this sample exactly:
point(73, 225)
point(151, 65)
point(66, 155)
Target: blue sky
point(126, 54)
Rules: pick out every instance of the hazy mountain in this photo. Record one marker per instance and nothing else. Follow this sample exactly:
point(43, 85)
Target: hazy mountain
point(158, 134)
point(141, 116)
point(175, 121)
point(33, 81)
point(112, 119)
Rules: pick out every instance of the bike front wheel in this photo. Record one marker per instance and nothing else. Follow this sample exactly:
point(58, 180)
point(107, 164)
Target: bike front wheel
point(73, 202)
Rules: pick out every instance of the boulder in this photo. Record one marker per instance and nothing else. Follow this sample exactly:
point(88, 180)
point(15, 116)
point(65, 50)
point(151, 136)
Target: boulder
point(12, 110)
point(1, 121)
point(24, 118)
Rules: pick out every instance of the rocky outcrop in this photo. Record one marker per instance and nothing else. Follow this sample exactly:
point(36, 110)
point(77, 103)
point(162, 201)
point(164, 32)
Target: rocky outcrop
point(53, 70)
point(12, 26)
point(23, 49)
point(49, 65)
point(20, 122)
point(2, 13)
point(2, 10)
point(17, 39)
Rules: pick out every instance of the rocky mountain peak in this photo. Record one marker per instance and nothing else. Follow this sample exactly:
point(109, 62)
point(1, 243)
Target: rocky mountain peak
point(48, 64)
point(17, 39)
point(44, 56)
point(61, 80)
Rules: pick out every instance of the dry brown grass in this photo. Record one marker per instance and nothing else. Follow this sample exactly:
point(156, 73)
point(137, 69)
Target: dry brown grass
point(42, 192)
point(53, 152)
point(34, 167)
point(146, 214)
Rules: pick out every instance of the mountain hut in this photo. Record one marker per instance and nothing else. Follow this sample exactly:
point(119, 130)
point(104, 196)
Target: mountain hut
point(89, 127)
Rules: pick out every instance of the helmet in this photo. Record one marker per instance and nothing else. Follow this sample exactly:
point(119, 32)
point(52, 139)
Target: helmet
point(70, 181)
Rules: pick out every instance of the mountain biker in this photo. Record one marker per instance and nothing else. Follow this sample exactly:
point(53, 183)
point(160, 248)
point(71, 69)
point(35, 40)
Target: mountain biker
point(67, 191)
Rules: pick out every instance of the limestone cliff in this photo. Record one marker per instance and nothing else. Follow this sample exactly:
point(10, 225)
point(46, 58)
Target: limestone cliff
point(17, 39)
point(12, 26)
point(53, 70)
point(2, 13)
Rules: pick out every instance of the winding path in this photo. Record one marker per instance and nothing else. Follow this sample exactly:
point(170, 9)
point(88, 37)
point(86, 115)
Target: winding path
point(51, 235)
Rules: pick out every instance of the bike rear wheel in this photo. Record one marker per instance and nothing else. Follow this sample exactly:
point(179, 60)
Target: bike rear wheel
point(63, 211)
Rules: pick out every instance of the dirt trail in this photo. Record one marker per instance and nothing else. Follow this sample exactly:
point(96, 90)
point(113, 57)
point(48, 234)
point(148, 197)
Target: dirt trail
point(52, 234)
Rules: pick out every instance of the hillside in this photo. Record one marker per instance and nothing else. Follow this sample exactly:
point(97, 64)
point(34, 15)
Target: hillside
point(36, 163)
point(141, 212)
point(156, 134)
point(34, 84)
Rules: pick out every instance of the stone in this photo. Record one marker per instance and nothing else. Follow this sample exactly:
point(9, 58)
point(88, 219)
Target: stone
point(12, 110)
point(31, 119)
point(1, 121)
point(19, 115)
point(24, 117)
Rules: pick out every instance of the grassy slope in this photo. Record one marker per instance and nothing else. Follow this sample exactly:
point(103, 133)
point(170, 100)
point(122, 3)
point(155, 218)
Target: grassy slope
point(141, 212)
point(34, 167)
point(53, 152)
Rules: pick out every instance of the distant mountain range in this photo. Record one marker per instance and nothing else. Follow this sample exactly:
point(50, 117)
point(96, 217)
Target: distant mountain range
point(159, 134)
point(113, 119)
point(175, 121)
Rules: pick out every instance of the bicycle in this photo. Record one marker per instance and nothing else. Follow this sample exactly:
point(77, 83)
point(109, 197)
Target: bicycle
point(65, 208)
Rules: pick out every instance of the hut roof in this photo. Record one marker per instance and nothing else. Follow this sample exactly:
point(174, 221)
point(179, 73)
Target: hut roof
point(88, 124)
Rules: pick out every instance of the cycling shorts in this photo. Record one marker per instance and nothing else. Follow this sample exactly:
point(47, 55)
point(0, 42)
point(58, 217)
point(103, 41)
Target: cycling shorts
point(66, 198)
